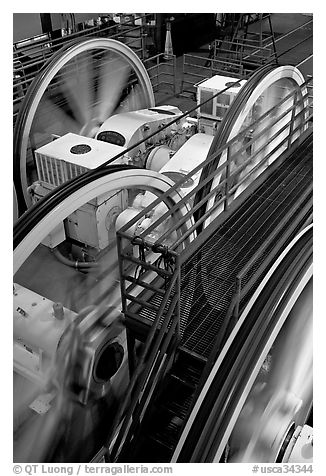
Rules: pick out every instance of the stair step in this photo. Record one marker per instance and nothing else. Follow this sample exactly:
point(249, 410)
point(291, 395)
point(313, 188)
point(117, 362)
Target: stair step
point(184, 352)
point(159, 442)
point(184, 381)
point(152, 450)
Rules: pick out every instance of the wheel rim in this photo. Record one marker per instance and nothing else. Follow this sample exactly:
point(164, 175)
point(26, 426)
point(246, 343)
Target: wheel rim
point(130, 179)
point(80, 87)
point(281, 397)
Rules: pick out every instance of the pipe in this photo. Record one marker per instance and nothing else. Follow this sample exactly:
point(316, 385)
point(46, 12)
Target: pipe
point(79, 265)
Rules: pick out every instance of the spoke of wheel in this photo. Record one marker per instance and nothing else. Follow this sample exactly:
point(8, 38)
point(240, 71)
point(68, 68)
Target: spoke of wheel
point(77, 84)
point(113, 78)
point(53, 119)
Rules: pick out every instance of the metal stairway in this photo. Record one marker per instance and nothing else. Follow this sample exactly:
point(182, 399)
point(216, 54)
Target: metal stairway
point(239, 45)
point(156, 442)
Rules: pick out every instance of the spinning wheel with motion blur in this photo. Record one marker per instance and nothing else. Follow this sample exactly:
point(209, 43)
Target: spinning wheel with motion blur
point(76, 91)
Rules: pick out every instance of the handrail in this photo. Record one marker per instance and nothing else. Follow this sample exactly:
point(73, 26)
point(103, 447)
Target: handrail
point(144, 378)
point(305, 116)
point(150, 377)
point(156, 73)
point(201, 68)
point(229, 191)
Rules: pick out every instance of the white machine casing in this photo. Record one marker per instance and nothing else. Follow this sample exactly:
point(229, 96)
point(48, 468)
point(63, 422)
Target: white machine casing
point(57, 162)
point(212, 113)
point(37, 333)
point(131, 127)
point(41, 338)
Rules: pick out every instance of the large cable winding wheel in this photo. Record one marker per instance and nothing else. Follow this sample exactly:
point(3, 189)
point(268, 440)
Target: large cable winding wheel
point(265, 89)
point(76, 91)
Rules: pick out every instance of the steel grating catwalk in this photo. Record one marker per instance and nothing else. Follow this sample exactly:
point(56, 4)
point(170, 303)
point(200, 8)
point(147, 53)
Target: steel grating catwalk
point(218, 261)
point(188, 278)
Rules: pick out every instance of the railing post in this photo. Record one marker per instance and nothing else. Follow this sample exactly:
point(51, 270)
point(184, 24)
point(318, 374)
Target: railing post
point(174, 75)
point(292, 119)
point(309, 89)
point(178, 290)
point(238, 285)
point(183, 74)
point(227, 179)
point(143, 35)
point(158, 71)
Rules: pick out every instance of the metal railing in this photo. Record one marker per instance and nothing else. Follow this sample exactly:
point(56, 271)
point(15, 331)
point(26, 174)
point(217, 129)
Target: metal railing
point(162, 71)
point(263, 47)
point(159, 346)
point(310, 91)
point(238, 58)
point(197, 68)
point(151, 280)
point(243, 49)
point(223, 186)
point(158, 349)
